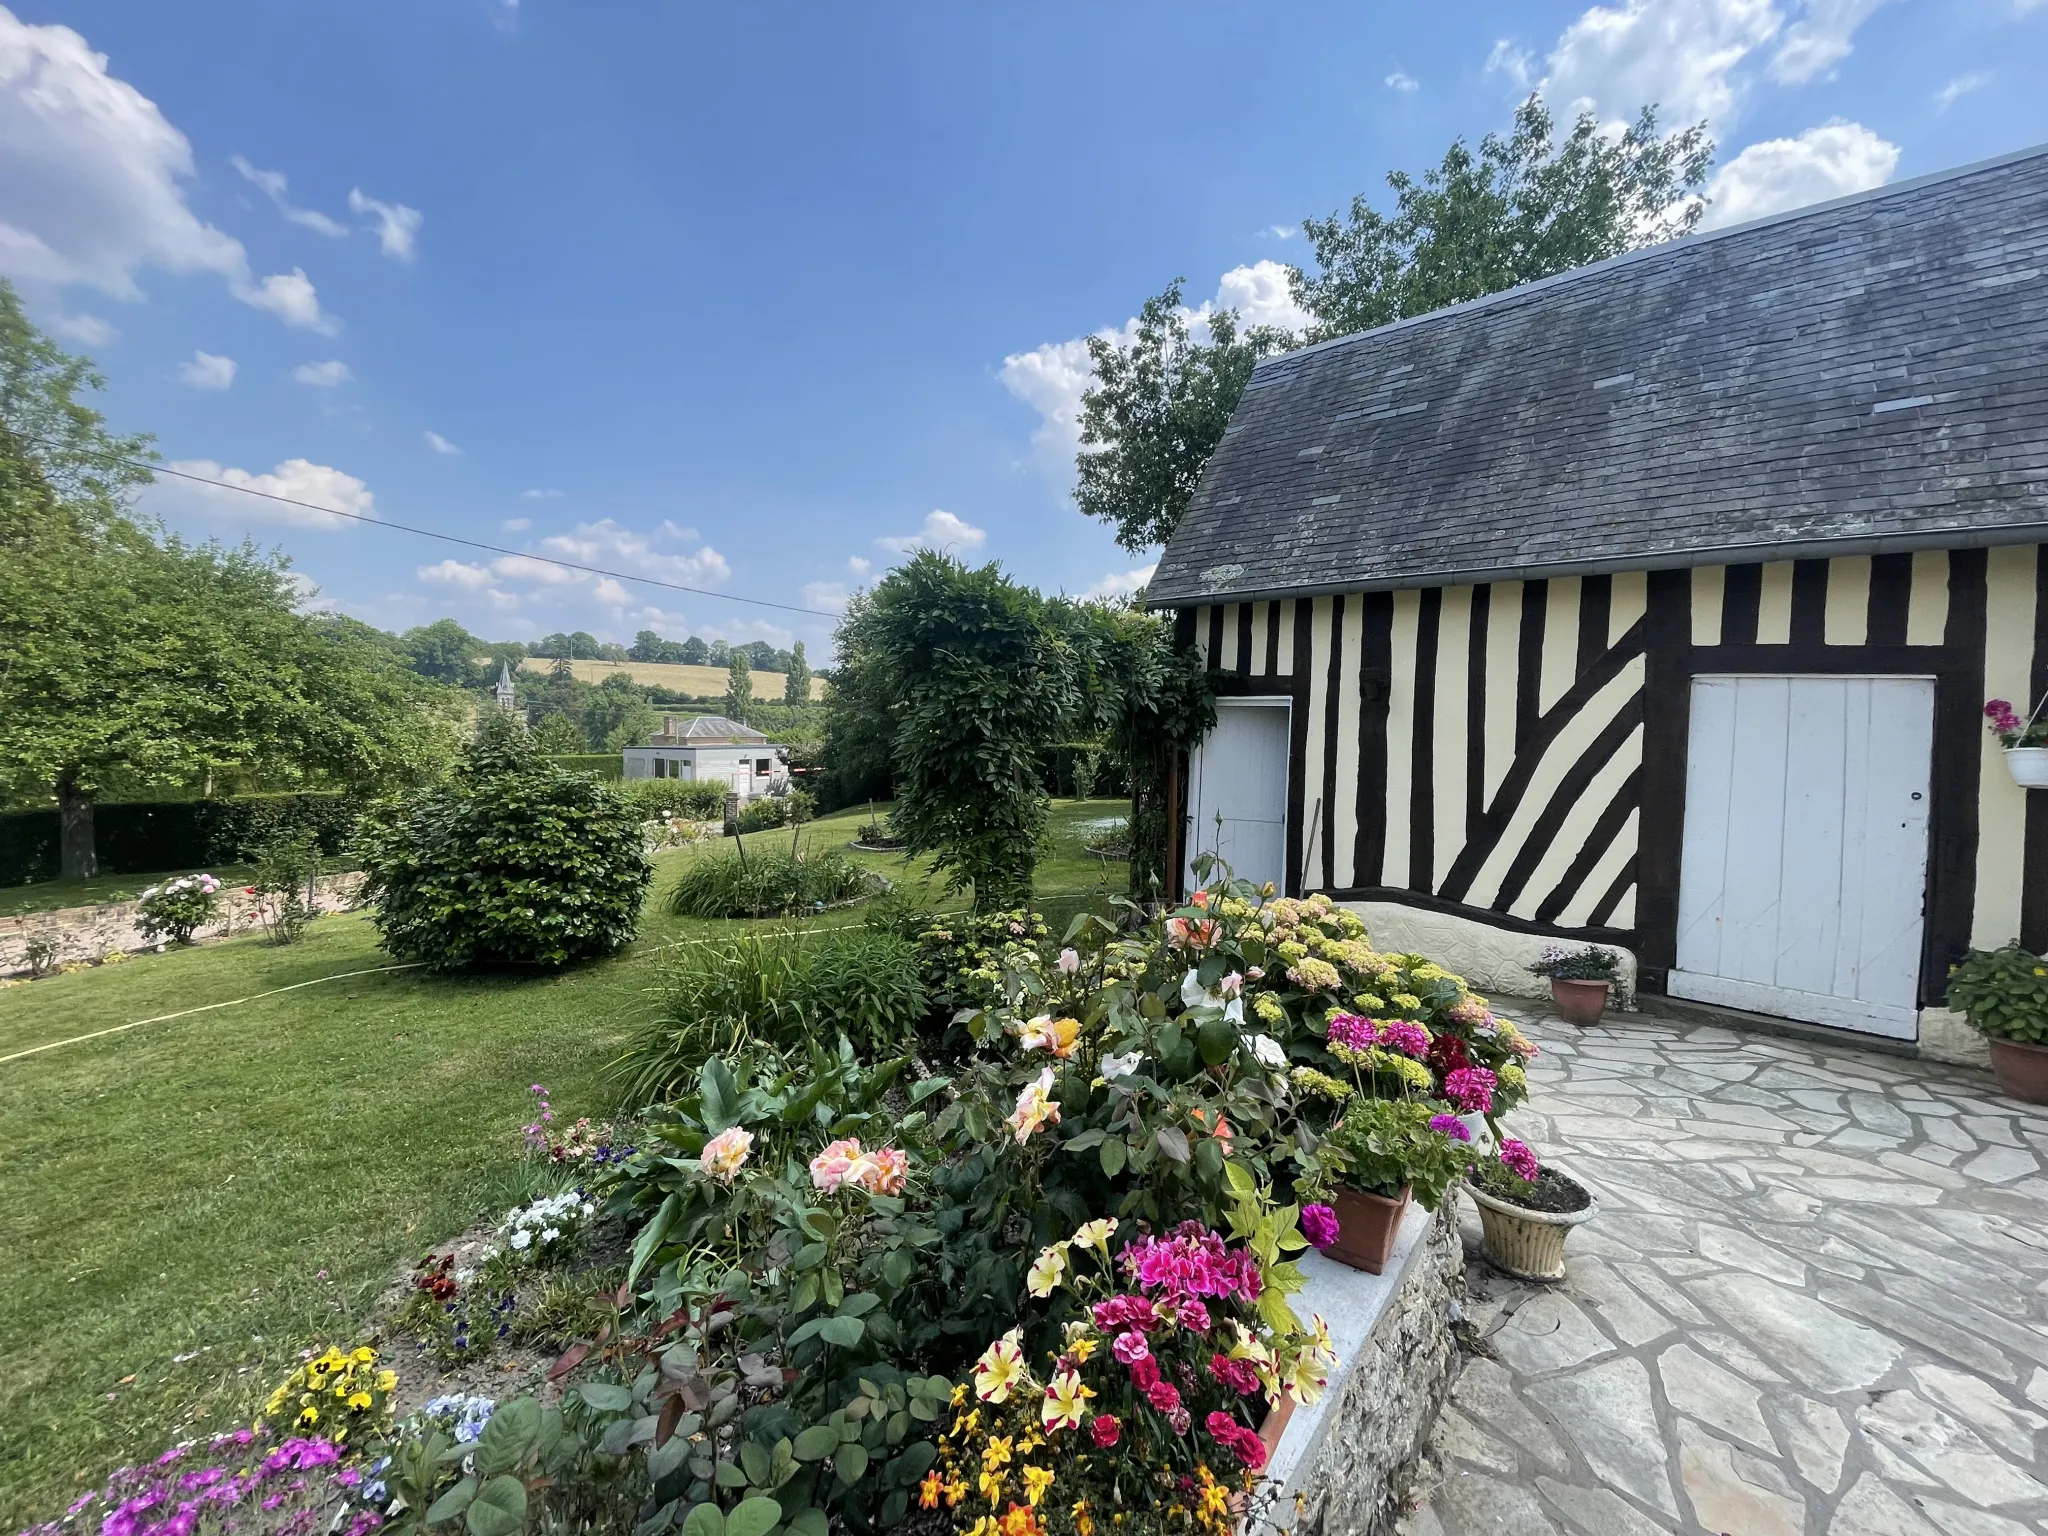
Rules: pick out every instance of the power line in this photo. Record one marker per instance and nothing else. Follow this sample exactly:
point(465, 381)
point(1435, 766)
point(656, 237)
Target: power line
point(428, 533)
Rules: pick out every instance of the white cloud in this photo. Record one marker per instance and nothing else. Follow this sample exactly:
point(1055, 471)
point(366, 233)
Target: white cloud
point(273, 186)
point(859, 565)
point(297, 480)
point(456, 573)
point(1279, 232)
point(609, 591)
point(526, 568)
point(539, 495)
point(86, 330)
point(1401, 80)
point(92, 182)
point(307, 595)
point(289, 296)
point(826, 596)
point(1051, 378)
point(516, 524)
point(941, 530)
point(1820, 39)
point(323, 375)
point(1833, 160)
point(1960, 87)
point(1679, 55)
point(206, 371)
point(606, 543)
point(397, 225)
point(1119, 585)
point(1509, 58)
point(439, 443)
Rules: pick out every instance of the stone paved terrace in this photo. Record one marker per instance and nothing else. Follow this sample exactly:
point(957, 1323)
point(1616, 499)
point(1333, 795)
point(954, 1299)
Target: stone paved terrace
point(1815, 1300)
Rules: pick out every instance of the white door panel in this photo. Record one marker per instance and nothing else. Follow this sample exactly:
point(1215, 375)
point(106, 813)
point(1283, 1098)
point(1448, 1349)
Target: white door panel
point(1237, 791)
point(1804, 856)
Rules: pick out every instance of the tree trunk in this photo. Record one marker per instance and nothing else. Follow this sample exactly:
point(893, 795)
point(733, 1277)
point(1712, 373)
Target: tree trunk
point(76, 857)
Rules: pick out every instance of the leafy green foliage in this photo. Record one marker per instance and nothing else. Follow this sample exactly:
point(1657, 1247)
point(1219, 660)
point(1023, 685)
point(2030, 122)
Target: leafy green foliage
point(1156, 411)
point(978, 676)
point(510, 862)
point(739, 687)
point(796, 682)
point(1524, 207)
point(2003, 992)
point(698, 799)
point(767, 882)
point(1381, 1146)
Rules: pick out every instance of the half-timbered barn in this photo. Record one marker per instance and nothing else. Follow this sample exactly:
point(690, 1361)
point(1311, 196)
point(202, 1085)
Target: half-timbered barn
point(1656, 604)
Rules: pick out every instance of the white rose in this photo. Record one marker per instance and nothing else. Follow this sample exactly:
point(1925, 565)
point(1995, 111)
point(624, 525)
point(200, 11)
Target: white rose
point(1269, 1051)
point(1114, 1067)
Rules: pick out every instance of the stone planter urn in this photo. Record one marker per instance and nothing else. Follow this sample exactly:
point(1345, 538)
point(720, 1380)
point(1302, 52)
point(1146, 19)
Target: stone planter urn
point(1366, 1227)
point(1579, 1002)
point(2028, 766)
point(2021, 1069)
point(1525, 1243)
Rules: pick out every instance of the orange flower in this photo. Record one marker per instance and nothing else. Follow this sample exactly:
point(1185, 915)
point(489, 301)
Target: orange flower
point(929, 1490)
point(1221, 1130)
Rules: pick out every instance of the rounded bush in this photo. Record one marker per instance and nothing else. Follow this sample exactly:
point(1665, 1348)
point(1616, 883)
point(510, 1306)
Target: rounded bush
point(510, 862)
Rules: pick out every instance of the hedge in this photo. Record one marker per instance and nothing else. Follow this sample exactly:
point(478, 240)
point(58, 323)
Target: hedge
point(145, 838)
point(602, 765)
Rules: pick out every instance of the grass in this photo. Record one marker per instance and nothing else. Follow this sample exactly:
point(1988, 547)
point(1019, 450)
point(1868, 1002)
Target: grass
point(50, 895)
point(237, 1184)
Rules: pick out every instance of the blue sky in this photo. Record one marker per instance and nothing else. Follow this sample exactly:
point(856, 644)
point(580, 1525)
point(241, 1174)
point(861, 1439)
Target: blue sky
point(756, 298)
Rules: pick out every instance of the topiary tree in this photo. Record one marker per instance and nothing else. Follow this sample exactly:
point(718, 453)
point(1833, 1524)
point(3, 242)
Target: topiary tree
point(510, 862)
point(739, 686)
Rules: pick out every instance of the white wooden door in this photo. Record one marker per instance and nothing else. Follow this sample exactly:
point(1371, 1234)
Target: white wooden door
point(1804, 858)
point(1237, 791)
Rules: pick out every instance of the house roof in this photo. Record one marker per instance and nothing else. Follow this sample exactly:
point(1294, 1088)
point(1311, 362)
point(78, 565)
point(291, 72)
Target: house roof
point(1858, 377)
point(712, 731)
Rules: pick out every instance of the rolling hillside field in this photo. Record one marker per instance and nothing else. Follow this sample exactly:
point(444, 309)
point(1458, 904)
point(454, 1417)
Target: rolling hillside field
point(671, 675)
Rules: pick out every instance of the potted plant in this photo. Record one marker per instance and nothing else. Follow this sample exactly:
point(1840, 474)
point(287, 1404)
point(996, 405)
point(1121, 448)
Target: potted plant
point(1382, 1154)
point(1580, 980)
point(2025, 742)
point(1526, 1210)
point(2004, 994)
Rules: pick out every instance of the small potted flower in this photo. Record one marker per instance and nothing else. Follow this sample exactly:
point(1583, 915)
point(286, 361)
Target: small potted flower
point(1526, 1210)
point(1580, 980)
point(2004, 994)
point(2025, 742)
point(1382, 1154)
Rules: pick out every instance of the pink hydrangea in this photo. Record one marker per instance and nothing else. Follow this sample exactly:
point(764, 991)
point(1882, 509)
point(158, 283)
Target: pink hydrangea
point(1353, 1030)
point(1470, 1089)
point(1516, 1157)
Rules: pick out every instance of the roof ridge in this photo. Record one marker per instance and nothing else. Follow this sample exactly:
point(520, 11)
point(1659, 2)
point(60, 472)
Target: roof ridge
point(1664, 249)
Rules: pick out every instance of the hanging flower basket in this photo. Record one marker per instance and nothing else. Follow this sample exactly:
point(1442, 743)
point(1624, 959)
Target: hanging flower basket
point(2028, 766)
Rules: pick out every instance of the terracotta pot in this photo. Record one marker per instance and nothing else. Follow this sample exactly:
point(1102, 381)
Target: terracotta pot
point(1275, 1425)
point(1526, 1244)
point(1579, 1002)
point(2021, 1069)
point(1366, 1228)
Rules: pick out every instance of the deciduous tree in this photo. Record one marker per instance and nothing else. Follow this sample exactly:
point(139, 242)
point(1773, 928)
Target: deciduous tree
point(796, 682)
point(739, 686)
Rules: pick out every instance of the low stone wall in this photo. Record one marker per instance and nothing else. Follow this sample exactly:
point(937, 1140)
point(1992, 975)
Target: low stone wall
point(1492, 960)
point(1339, 1464)
point(89, 934)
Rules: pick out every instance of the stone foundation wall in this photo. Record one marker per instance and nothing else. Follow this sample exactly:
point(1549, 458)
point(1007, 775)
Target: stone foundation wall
point(89, 934)
point(1340, 1465)
point(1493, 961)
point(1945, 1035)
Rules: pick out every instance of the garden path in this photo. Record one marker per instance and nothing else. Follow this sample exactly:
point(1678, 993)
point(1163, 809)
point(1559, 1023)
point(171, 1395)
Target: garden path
point(1814, 1302)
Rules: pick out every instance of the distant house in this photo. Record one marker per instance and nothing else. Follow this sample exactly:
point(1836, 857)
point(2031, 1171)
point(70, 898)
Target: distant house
point(711, 747)
point(1656, 604)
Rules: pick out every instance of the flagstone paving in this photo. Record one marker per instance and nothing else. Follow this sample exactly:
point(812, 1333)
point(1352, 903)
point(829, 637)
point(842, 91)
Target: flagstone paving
point(1814, 1302)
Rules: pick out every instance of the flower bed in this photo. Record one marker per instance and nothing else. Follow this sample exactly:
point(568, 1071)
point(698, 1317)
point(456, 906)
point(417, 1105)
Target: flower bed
point(1035, 1266)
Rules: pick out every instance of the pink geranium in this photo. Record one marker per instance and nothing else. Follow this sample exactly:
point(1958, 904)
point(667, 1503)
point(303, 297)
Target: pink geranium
point(1470, 1090)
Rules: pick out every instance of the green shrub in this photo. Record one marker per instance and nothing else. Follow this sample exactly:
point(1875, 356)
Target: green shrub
point(2003, 992)
point(778, 989)
point(512, 861)
point(770, 811)
point(767, 882)
point(698, 799)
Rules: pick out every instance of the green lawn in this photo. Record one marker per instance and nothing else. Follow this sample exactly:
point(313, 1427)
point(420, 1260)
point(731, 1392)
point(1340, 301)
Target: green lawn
point(48, 895)
point(183, 1187)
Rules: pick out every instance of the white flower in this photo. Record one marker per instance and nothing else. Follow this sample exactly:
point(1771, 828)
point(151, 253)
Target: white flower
point(1114, 1067)
point(522, 1239)
point(1070, 962)
point(1192, 993)
point(550, 1234)
point(588, 1209)
point(1234, 1011)
point(1269, 1051)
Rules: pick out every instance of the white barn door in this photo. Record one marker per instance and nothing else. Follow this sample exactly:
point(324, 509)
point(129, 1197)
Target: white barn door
point(1237, 791)
point(1804, 864)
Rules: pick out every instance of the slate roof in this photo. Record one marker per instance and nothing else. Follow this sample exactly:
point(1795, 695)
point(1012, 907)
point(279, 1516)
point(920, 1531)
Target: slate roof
point(1858, 377)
